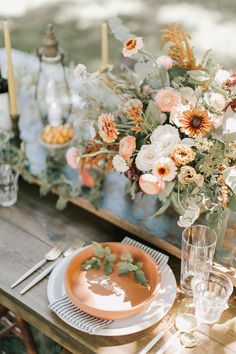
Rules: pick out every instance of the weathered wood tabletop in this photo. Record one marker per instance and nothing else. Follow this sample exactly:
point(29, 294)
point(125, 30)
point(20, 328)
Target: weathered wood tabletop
point(30, 229)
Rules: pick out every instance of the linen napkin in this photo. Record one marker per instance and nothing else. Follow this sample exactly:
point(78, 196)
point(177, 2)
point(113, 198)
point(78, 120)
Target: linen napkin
point(72, 315)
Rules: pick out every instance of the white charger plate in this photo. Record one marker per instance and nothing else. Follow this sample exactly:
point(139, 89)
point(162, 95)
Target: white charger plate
point(154, 313)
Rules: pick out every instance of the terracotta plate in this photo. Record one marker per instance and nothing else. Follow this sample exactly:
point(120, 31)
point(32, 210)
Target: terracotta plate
point(111, 297)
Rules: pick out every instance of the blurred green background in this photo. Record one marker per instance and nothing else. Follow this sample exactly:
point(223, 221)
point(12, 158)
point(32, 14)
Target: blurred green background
point(211, 24)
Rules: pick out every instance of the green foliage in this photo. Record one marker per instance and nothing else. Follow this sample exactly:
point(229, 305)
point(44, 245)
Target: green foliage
point(140, 277)
point(127, 264)
point(120, 31)
point(199, 75)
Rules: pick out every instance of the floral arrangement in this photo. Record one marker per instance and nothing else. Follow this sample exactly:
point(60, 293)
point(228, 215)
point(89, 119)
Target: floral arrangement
point(162, 123)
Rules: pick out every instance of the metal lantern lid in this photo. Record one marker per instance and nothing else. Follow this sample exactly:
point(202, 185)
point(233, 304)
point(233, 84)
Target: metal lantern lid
point(49, 52)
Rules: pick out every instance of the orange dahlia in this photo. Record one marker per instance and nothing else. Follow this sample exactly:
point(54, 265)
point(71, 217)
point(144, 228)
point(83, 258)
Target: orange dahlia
point(195, 122)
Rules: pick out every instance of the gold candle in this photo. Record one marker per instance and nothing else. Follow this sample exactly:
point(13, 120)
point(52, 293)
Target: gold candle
point(104, 45)
point(10, 73)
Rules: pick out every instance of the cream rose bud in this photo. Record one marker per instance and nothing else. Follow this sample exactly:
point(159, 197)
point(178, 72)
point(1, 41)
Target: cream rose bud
point(187, 175)
point(150, 184)
point(145, 158)
point(215, 100)
point(119, 164)
point(190, 215)
point(73, 157)
point(164, 61)
point(222, 76)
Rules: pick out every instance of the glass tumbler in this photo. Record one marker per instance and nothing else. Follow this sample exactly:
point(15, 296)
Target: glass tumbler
point(198, 248)
point(210, 296)
point(8, 185)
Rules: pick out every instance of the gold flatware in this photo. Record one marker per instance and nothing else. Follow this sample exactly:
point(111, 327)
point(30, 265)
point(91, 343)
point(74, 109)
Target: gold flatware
point(44, 273)
point(49, 256)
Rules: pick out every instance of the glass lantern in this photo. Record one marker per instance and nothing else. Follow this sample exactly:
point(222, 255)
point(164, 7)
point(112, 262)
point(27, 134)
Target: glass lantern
point(52, 89)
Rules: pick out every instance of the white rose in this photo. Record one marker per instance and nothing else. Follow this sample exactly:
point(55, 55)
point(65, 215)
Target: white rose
point(215, 100)
point(190, 215)
point(222, 76)
point(80, 71)
point(165, 137)
point(146, 157)
point(119, 164)
point(188, 96)
point(177, 112)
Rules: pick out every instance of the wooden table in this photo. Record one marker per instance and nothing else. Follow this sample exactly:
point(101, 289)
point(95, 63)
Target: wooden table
point(30, 229)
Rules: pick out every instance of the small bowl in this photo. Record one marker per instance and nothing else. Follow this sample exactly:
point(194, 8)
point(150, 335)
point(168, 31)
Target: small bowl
point(111, 297)
point(53, 146)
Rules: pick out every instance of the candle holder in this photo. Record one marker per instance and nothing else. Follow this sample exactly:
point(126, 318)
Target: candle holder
point(16, 131)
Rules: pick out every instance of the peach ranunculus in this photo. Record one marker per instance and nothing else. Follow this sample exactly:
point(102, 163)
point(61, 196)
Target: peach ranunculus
point(127, 146)
point(107, 127)
point(165, 62)
point(150, 184)
point(131, 46)
point(167, 98)
point(73, 157)
point(182, 154)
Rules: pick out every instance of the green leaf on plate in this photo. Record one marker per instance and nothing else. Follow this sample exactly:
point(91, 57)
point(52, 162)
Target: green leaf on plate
point(107, 267)
point(140, 277)
point(124, 267)
point(127, 257)
point(92, 263)
point(98, 250)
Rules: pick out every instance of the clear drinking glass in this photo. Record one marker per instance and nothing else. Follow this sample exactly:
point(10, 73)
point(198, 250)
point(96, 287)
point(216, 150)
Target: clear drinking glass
point(210, 296)
point(198, 248)
point(8, 185)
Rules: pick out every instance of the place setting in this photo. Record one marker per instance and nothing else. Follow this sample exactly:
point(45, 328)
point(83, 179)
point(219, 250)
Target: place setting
point(115, 289)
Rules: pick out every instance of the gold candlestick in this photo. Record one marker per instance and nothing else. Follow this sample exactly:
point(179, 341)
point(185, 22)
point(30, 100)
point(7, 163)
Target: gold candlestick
point(10, 73)
point(104, 46)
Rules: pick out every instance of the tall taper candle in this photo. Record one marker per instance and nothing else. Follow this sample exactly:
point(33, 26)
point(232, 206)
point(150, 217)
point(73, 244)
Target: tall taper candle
point(10, 72)
point(104, 45)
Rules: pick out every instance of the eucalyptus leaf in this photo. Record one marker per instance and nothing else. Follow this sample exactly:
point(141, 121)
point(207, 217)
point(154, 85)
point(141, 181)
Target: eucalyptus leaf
point(61, 203)
point(164, 207)
point(143, 69)
point(232, 203)
point(199, 75)
point(152, 115)
point(140, 277)
point(45, 188)
point(164, 77)
point(120, 31)
point(211, 68)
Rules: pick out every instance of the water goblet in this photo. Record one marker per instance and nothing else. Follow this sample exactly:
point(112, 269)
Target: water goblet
point(198, 248)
